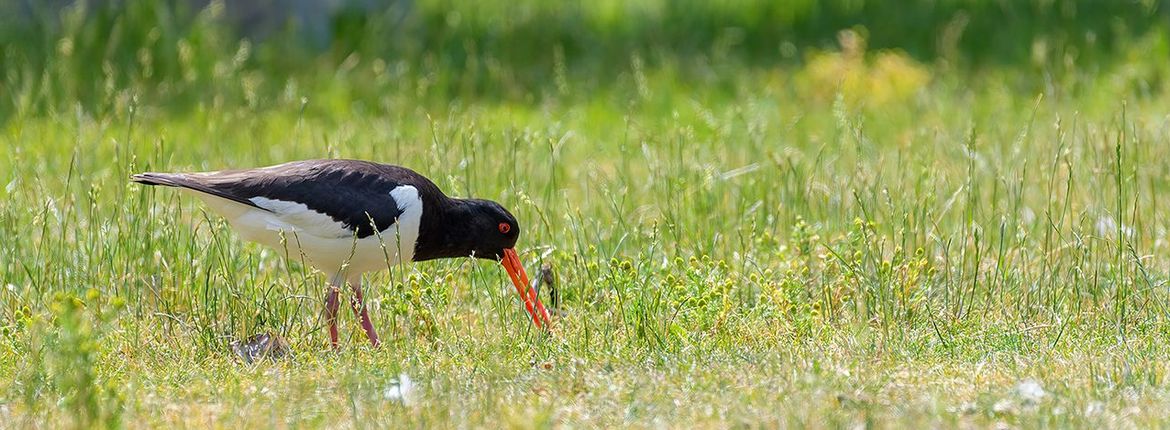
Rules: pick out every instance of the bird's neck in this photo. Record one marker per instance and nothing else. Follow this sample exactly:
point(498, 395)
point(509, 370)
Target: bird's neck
point(445, 230)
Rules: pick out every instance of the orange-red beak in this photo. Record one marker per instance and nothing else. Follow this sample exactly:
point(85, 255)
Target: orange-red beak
point(527, 293)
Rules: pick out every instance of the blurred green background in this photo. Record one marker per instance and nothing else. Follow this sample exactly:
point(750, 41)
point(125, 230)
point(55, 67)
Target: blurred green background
point(183, 53)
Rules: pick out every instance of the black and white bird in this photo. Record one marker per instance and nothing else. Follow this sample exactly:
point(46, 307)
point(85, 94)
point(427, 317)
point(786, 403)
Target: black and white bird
point(349, 217)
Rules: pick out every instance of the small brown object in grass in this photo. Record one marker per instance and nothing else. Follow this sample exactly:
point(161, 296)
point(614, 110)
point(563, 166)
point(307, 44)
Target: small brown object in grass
point(546, 277)
point(264, 345)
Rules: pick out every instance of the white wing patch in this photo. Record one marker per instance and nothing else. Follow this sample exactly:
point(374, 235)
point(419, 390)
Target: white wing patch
point(411, 206)
point(296, 217)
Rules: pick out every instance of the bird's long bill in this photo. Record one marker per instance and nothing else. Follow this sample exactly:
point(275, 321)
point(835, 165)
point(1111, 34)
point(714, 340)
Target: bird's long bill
point(527, 293)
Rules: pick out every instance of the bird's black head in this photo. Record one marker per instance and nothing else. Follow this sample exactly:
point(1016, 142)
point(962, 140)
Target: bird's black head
point(469, 227)
point(493, 229)
point(483, 229)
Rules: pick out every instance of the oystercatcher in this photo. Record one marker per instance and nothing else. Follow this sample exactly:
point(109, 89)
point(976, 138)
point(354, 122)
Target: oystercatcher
point(349, 217)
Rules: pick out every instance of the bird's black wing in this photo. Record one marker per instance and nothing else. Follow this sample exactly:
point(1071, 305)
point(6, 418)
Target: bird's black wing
point(353, 193)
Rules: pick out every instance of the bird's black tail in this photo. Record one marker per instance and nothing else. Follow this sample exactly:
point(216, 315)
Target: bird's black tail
point(164, 179)
point(181, 180)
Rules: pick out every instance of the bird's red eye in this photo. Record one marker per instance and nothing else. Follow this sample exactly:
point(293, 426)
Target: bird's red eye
point(505, 227)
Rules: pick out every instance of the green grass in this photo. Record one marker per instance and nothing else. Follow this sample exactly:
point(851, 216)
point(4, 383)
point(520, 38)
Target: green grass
point(826, 243)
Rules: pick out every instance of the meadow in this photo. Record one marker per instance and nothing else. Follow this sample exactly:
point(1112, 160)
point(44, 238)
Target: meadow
point(806, 216)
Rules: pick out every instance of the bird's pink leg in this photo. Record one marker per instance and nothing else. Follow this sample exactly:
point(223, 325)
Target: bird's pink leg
point(360, 310)
point(332, 305)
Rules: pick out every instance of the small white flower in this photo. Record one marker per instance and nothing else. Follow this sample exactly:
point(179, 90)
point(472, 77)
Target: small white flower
point(1027, 215)
point(1004, 406)
point(1030, 391)
point(1094, 409)
point(1107, 226)
point(401, 390)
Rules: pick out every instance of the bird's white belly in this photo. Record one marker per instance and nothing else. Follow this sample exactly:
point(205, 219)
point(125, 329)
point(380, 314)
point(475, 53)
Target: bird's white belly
point(295, 231)
point(330, 255)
